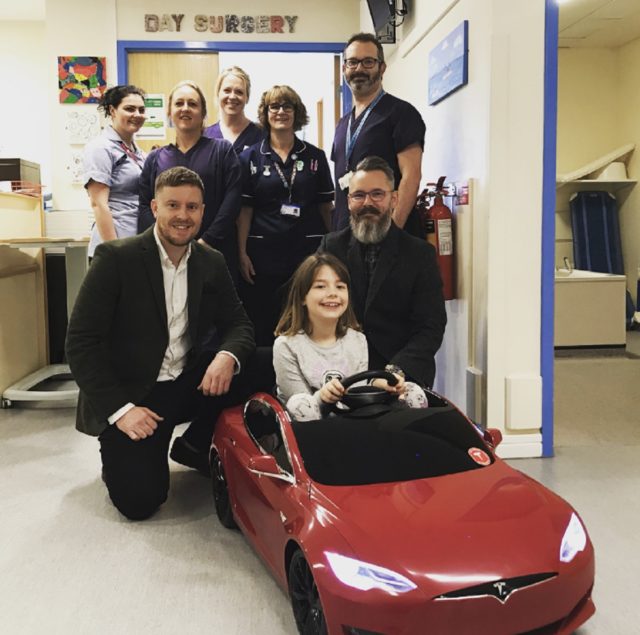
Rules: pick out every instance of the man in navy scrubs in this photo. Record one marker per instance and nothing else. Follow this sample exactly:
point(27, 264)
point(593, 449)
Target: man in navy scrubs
point(378, 125)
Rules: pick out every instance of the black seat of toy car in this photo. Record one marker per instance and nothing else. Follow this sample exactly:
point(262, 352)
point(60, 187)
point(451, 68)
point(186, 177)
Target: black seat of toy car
point(399, 445)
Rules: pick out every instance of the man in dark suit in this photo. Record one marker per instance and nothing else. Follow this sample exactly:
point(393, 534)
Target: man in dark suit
point(396, 288)
point(136, 339)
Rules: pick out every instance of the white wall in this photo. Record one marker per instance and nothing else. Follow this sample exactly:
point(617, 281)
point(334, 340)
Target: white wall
point(629, 124)
point(73, 28)
point(588, 99)
point(325, 21)
point(24, 108)
point(598, 106)
point(489, 131)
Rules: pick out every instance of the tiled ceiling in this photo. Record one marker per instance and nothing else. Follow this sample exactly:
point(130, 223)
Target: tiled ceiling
point(598, 23)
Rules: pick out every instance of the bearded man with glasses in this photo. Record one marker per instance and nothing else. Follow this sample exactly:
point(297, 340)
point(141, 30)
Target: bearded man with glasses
point(381, 125)
point(396, 289)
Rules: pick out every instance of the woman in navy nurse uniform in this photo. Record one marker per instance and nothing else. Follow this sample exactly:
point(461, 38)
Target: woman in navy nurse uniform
point(212, 159)
point(233, 89)
point(112, 164)
point(287, 200)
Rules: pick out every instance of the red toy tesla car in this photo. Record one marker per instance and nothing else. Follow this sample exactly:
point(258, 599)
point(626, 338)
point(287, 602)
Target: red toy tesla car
point(390, 521)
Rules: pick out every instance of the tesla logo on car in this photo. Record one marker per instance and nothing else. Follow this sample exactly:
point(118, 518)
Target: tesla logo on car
point(500, 588)
point(479, 456)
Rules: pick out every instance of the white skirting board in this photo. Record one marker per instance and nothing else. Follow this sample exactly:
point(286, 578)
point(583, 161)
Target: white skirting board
point(520, 446)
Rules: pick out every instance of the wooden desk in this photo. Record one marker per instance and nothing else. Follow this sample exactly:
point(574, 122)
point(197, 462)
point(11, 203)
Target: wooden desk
point(76, 263)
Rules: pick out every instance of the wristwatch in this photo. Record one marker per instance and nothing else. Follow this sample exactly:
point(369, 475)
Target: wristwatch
point(396, 370)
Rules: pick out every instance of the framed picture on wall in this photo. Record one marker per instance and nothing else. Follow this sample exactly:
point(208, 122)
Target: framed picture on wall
point(81, 79)
point(448, 64)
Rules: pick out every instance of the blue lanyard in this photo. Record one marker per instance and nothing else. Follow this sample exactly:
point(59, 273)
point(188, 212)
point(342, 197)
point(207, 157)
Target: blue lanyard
point(351, 140)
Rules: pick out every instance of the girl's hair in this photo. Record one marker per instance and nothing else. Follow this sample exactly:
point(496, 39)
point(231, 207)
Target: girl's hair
point(234, 71)
point(295, 317)
point(114, 95)
point(194, 86)
point(280, 94)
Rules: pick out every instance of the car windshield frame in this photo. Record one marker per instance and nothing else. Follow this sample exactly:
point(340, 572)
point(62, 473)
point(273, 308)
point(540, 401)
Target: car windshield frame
point(398, 445)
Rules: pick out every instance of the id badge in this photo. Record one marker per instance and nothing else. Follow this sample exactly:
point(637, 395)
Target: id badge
point(287, 209)
point(345, 179)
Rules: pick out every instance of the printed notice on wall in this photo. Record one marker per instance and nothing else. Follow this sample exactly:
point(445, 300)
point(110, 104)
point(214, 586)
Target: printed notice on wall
point(155, 126)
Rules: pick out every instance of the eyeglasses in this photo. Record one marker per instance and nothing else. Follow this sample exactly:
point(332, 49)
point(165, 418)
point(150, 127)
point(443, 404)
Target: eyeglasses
point(367, 62)
point(377, 196)
point(286, 106)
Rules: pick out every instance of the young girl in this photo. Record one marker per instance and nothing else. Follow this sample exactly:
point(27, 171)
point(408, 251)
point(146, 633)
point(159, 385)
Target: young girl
point(318, 343)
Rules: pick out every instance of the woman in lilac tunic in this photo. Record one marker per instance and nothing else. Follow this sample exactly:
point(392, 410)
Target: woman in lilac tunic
point(112, 164)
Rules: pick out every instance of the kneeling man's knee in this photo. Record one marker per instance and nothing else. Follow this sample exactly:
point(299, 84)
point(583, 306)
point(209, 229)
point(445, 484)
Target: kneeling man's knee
point(136, 503)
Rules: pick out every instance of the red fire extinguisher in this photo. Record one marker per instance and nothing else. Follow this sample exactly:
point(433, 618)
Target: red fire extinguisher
point(438, 226)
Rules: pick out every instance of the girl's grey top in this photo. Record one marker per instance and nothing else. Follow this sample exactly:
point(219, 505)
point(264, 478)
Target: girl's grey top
point(302, 366)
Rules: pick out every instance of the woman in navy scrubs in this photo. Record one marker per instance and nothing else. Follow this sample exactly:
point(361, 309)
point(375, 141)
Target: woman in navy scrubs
point(212, 159)
point(233, 89)
point(287, 200)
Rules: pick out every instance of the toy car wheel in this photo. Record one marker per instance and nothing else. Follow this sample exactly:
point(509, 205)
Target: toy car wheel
point(221, 493)
point(305, 599)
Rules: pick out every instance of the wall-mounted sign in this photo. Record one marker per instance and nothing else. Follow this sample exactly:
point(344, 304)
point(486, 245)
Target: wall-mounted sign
point(449, 63)
point(154, 126)
point(230, 23)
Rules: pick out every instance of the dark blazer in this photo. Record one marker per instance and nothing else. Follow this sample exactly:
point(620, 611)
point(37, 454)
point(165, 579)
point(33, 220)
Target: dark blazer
point(403, 313)
point(118, 331)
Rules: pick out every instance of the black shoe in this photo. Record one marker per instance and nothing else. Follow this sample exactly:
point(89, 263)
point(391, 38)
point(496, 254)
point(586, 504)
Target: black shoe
point(184, 453)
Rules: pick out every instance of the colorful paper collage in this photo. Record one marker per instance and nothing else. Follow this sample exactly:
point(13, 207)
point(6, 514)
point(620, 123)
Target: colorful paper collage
point(81, 79)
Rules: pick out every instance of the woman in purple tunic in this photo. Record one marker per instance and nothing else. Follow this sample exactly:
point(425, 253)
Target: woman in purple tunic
point(233, 89)
point(212, 159)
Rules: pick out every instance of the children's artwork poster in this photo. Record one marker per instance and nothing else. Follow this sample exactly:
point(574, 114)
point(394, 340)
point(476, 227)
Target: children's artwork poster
point(155, 124)
point(448, 64)
point(82, 126)
point(81, 79)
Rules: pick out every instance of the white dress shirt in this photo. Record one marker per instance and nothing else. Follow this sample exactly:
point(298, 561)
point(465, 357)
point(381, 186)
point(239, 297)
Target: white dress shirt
point(175, 297)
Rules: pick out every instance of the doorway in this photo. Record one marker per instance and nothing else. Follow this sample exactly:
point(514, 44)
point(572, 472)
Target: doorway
point(312, 69)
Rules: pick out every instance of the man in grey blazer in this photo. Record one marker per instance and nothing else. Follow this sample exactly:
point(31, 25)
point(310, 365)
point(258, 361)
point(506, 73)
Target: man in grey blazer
point(396, 289)
point(136, 344)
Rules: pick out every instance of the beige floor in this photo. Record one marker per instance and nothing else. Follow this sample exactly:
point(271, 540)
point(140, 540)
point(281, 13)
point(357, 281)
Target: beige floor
point(70, 564)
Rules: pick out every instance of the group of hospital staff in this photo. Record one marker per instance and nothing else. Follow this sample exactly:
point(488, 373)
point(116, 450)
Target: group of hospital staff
point(269, 195)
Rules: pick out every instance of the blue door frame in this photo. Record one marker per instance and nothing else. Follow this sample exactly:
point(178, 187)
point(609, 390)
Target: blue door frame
point(548, 221)
point(141, 46)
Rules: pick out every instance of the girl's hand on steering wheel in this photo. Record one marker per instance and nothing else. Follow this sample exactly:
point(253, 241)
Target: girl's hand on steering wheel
point(332, 391)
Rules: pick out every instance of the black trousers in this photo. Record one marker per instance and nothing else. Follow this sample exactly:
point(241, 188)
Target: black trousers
point(136, 473)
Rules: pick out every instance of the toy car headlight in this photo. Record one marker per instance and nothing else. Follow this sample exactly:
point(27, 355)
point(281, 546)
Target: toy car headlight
point(573, 541)
point(365, 576)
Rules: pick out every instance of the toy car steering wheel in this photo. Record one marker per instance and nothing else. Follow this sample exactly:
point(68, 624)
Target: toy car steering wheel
point(355, 397)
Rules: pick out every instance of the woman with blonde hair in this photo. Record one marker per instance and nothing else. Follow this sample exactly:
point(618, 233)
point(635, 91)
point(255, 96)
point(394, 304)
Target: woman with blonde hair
point(287, 199)
point(233, 89)
point(212, 159)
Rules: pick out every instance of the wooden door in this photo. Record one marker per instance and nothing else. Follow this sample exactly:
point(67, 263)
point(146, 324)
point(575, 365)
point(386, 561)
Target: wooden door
point(159, 72)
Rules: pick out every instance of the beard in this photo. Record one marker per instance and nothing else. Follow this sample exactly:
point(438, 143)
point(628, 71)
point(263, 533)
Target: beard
point(368, 231)
point(367, 81)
